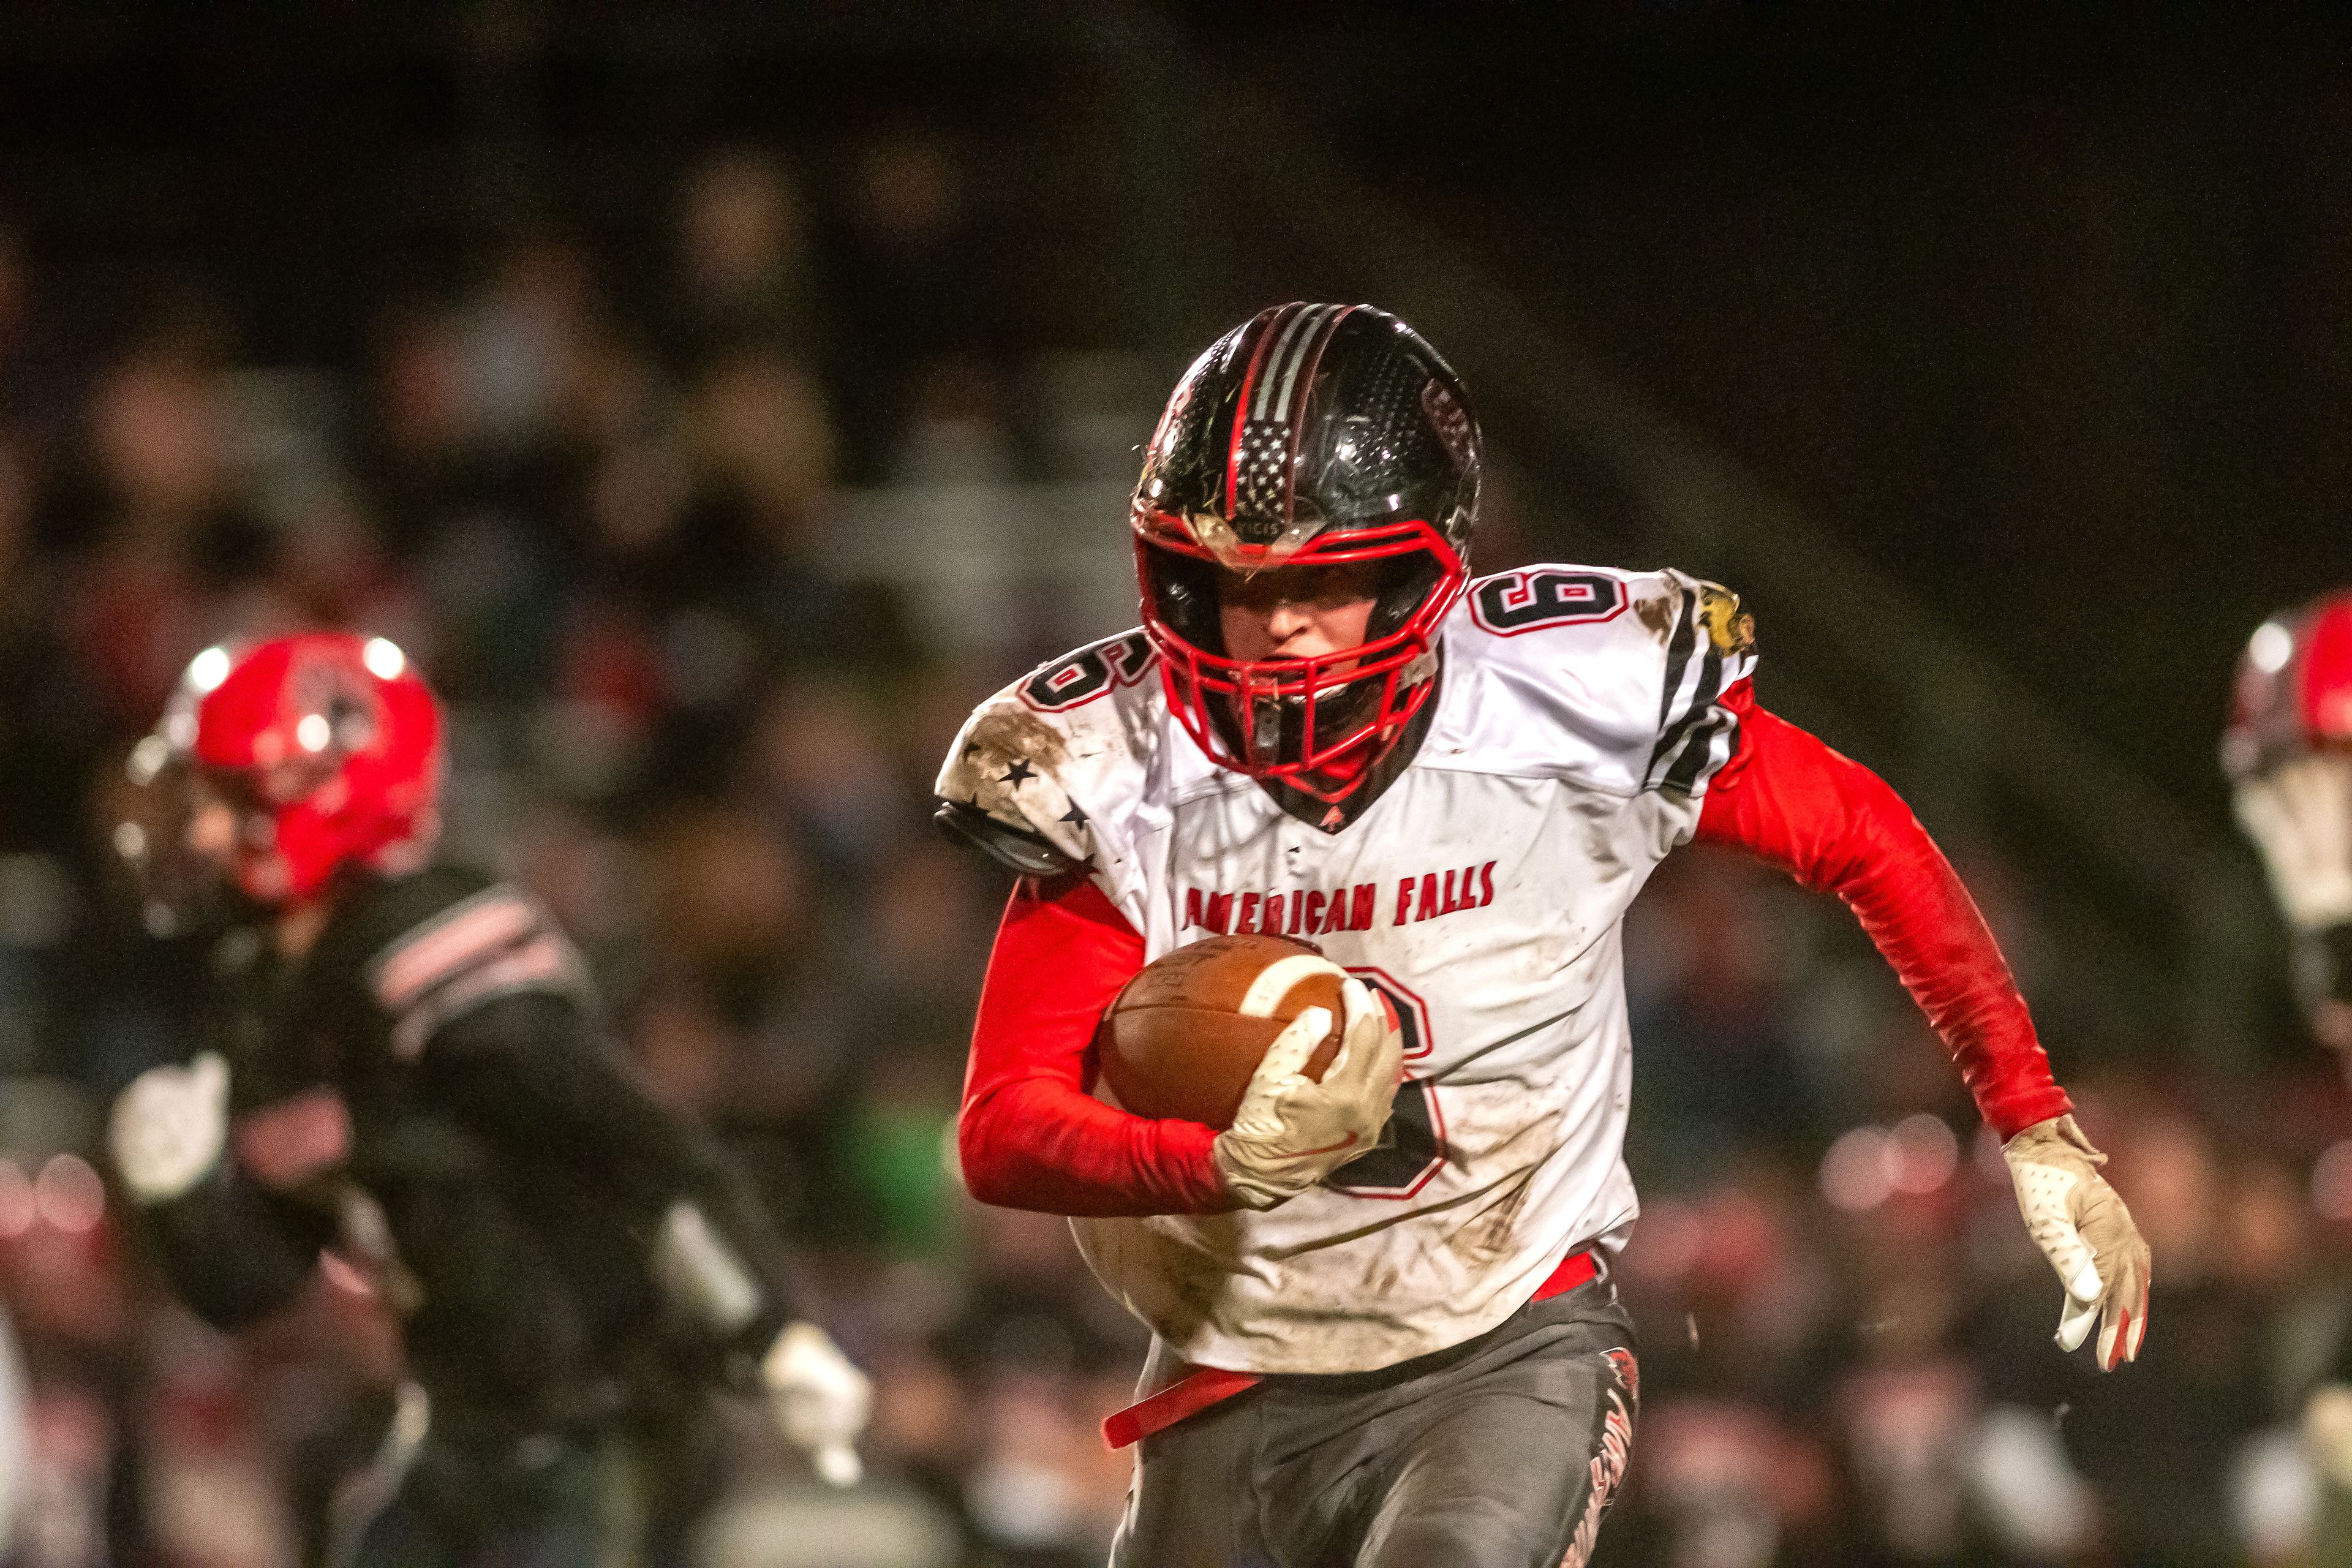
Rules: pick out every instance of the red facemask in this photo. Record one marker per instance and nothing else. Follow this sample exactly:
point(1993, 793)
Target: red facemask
point(1314, 724)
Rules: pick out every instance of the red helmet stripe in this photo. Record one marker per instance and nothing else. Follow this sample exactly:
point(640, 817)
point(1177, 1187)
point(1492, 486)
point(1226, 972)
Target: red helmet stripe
point(1241, 403)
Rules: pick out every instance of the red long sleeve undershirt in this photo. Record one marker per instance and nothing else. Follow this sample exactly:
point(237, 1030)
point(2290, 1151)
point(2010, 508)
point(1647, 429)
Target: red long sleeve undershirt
point(1031, 1136)
point(1837, 828)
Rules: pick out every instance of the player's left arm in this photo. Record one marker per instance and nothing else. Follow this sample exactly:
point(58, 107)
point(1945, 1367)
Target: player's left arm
point(533, 1074)
point(1836, 826)
point(532, 1070)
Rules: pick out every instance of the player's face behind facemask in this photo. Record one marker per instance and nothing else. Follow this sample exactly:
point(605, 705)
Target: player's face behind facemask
point(180, 834)
point(178, 893)
point(1296, 611)
point(1301, 671)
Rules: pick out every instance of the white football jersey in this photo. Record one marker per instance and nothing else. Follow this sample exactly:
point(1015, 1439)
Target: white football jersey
point(1576, 727)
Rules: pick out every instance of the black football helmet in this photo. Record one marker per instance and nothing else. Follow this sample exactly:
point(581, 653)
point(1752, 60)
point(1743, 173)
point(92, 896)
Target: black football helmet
point(1311, 434)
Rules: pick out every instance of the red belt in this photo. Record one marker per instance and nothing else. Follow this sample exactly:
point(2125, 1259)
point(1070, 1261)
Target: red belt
point(1207, 1385)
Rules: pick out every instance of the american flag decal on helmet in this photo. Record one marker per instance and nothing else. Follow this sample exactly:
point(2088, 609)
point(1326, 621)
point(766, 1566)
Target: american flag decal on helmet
point(1258, 481)
point(1261, 465)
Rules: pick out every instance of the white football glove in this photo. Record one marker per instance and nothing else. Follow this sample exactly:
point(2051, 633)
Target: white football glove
point(819, 1400)
point(167, 1131)
point(2083, 1227)
point(2327, 1432)
point(1292, 1131)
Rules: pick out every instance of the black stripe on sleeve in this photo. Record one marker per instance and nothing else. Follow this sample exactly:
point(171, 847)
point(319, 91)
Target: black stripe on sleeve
point(1698, 752)
point(1678, 652)
point(1701, 708)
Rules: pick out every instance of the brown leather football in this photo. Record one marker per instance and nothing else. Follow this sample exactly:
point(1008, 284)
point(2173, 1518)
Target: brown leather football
point(1185, 1035)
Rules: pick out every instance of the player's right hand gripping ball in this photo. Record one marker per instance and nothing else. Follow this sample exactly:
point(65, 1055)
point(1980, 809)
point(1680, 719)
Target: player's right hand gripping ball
point(1292, 1131)
point(2083, 1227)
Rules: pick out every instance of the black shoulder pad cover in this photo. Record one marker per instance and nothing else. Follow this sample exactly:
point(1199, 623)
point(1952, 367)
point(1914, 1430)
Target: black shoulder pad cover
point(1025, 852)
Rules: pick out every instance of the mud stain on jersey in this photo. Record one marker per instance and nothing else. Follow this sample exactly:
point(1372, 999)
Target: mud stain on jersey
point(1658, 614)
point(1486, 1236)
point(1554, 949)
point(1198, 1270)
point(1198, 1294)
point(1010, 766)
point(1009, 734)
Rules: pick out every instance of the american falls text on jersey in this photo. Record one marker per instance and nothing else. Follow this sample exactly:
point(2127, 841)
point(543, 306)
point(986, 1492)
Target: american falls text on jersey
point(1313, 911)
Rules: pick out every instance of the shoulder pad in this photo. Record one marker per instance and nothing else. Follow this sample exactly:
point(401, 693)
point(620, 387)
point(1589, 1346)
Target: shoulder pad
point(1025, 852)
point(379, 907)
point(1686, 617)
point(374, 913)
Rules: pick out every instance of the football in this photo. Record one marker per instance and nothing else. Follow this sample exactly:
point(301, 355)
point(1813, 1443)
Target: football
point(1185, 1034)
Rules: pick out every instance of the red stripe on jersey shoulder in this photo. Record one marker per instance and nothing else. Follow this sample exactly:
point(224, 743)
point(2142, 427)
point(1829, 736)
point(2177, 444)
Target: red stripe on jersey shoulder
point(460, 937)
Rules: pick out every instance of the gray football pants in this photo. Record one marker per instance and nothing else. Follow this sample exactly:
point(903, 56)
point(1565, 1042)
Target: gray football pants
point(1501, 1452)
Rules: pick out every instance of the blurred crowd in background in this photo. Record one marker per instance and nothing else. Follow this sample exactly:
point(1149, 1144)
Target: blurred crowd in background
point(665, 532)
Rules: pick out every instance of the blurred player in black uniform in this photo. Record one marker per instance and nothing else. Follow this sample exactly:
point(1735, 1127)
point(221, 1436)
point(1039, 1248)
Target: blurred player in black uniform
point(2288, 753)
point(412, 1074)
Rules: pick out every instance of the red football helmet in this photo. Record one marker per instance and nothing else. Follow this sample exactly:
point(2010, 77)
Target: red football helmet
point(1311, 434)
point(2293, 687)
point(325, 748)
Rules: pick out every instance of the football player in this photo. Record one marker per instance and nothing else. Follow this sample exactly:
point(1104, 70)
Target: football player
point(1385, 1331)
point(411, 1074)
point(2288, 754)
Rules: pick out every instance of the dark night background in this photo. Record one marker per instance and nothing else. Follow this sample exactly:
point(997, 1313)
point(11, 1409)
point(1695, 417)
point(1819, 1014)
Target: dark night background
point(2044, 309)
point(2048, 309)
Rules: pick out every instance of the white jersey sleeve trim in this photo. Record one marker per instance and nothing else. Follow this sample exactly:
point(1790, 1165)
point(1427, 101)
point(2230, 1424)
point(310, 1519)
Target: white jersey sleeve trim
point(1710, 649)
point(1613, 679)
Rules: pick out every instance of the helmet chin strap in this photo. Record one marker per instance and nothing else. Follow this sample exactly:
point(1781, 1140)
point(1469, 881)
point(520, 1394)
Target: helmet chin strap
point(1339, 777)
point(1263, 715)
point(1346, 788)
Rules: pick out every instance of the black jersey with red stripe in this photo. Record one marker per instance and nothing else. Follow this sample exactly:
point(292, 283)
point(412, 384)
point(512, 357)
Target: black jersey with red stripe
point(432, 1091)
